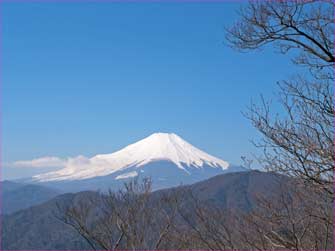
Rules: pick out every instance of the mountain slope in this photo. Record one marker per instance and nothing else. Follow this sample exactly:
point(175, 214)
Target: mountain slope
point(166, 158)
point(17, 196)
point(156, 147)
point(37, 228)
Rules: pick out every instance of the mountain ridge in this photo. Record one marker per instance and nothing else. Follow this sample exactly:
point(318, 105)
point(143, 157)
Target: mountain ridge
point(30, 228)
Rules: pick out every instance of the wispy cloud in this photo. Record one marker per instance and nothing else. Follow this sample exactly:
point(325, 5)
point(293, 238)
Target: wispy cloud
point(48, 161)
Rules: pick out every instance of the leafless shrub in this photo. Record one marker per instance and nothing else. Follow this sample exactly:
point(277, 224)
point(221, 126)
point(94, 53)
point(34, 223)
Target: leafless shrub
point(127, 219)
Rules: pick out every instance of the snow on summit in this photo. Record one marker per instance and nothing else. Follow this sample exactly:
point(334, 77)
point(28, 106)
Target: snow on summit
point(156, 147)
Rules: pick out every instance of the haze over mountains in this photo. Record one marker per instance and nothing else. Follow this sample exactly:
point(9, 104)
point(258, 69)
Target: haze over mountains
point(164, 157)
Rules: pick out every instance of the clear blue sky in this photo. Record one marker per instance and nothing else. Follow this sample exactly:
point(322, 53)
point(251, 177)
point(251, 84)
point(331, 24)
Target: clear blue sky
point(88, 78)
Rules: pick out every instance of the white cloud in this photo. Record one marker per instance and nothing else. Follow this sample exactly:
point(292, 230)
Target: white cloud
point(79, 160)
point(41, 162)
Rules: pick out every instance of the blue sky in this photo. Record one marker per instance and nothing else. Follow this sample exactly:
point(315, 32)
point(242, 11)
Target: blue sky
point(88, 78)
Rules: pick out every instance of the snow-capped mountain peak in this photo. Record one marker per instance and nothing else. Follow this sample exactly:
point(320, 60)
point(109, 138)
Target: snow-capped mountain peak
point(156, 147)
point(164, 146)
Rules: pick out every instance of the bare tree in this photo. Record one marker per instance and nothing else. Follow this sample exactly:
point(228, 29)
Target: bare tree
point(294, 218)
point(304, 26)
point(301, 142)
point(208, 226)
point(298, 142)
point(127, 219)
point(291, 216)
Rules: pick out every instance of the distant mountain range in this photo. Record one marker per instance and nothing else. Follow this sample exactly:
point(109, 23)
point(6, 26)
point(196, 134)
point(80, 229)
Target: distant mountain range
point(38, 228)
point(17, 196)
point(164, 157)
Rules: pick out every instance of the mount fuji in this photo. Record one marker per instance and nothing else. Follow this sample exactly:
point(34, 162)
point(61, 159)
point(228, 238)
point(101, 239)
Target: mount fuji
point(164, 157)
